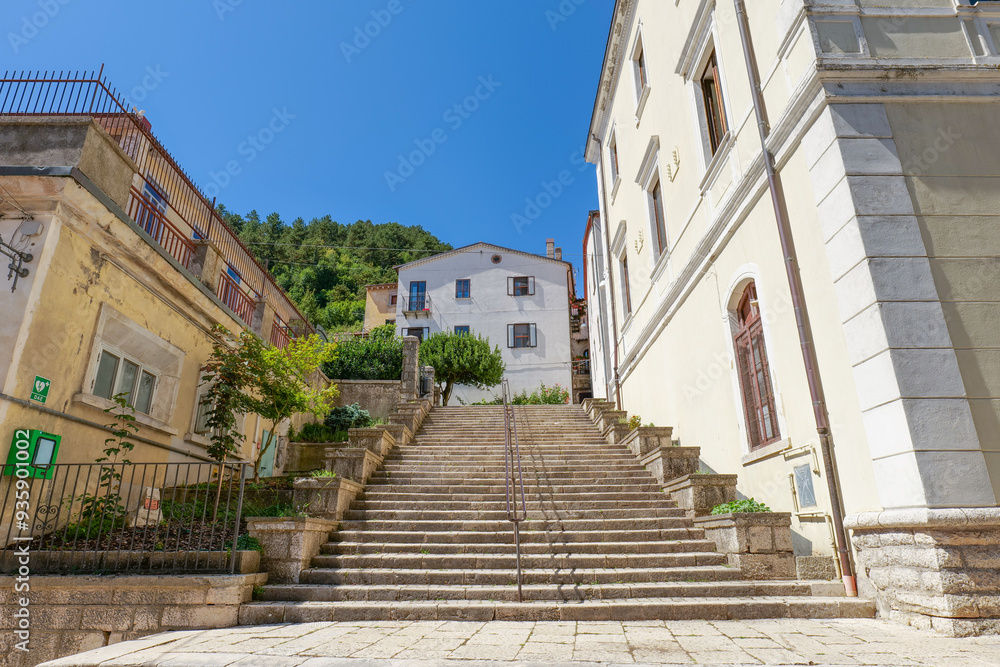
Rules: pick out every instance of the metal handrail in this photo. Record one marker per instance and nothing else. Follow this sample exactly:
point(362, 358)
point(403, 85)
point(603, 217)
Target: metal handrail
point(512, 457)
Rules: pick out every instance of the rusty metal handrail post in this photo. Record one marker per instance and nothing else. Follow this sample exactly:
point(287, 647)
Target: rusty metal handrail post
point(512, 457)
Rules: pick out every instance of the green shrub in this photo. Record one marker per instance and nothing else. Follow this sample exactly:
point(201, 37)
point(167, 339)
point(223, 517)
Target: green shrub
point(377, 357)
point(554, 395)
point(324, 473)
point(314, 432)
point(246, 543)
point(737, 506)
point(348, 416)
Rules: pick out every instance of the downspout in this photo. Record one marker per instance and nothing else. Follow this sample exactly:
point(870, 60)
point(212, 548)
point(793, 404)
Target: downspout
point(798, 304)
point(611, 273)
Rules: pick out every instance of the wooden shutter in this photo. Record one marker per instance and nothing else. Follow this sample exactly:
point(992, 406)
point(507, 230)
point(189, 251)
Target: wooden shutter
point(743, 363)
point(510, 286)
point(531, 285)
point(532, 336)
point(510, 335)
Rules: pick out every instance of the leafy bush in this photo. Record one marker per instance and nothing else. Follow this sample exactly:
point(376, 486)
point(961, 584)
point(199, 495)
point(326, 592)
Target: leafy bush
point(377, 357)
point(275, 510)
point(324, 473)
point(349, 416)
point(313, 432)
point(554, 395)
point(748, 505)
point(246, 543)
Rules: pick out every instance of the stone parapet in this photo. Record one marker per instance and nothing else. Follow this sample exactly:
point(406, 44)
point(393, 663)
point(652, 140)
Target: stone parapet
point(306, 456)
point(289, 544)
point(758, 543)
point(325, 497)
point(609, 418)
point(353, 463)
point(616, 433)
point(75, 613)
point(401, 435)
point(645, 439)
point(668, 463)
point(698, 494)
point(932, 568)
point(377, 440)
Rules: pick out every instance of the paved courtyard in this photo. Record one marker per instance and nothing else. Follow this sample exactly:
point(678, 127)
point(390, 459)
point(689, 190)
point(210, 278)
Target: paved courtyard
point(375, 643)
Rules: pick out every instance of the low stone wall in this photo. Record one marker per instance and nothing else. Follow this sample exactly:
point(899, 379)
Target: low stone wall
point(72, 613)
point(932, 568)
point(378, 397)
point(759, 544)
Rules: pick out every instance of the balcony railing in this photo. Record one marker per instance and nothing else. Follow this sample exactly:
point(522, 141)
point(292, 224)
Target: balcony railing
point(181, 213)
point(420, 303)
point(238, 301)
point(280, 333)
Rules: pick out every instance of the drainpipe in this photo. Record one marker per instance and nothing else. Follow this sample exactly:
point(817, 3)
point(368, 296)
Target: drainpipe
point(798, 303)
point(611, 272)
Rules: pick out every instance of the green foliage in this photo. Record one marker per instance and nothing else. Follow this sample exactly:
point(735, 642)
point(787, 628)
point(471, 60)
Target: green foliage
point(554, 395)
point(246, 543)
point(103, 511)
point(314, 432)
point(230, 373)
point(377, 357)
point(462, 359)
point(323, 473)
point(348, 416)
point(736, 506)
point(634, 422)
point(328, 283)
point(276, 510)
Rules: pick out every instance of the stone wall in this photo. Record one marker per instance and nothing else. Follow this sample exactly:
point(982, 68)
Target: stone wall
point(73, 613)
point(937, 569)
point(378, 397)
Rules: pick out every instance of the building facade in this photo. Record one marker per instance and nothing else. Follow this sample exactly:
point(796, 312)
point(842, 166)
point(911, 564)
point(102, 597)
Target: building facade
point(519, 301)
point(380, 305)
point(881, 119)
point(129, 270)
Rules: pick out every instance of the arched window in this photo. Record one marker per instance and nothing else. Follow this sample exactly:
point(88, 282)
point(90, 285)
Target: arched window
point(755, 378)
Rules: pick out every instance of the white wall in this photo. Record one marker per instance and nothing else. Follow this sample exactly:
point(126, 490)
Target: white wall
point(490, 309)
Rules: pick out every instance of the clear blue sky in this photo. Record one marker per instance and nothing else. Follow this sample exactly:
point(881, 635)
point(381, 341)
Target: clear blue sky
point(212, 73)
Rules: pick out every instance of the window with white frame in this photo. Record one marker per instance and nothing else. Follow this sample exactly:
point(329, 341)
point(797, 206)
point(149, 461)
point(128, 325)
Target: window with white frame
point(522, 335)
point(613, 158)
point(640, 73)
point(118, 374)
point(657, 221)
point(626, 287)
point(713, 107)
point(521, 286)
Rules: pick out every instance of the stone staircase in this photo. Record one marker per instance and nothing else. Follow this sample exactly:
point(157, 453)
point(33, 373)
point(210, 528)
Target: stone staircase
point(429, 539)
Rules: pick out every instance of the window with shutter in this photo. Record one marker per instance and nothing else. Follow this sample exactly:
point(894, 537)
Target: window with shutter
point(521, 335)
point(755, 378)
point(521, 286)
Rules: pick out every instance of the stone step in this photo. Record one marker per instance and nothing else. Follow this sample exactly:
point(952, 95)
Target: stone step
point(507, 561)
point(527, 465)
point(530, 526)
point(538, 491)
point(506, 536)
point(467, 576)
point(652, 609)
point(676, 546)
point(407, 593)
point(534, 478)
point(391, 493)
point(499, 501)
point(500, 514)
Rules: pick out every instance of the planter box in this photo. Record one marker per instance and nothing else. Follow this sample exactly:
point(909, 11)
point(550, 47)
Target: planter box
point(759, 543)
point(610, 418)
point(400, 434)
point(407, 418)
point(698, 494)
point(289, 544)
point(325, 497)
point(645, 439)
point(376, 440)
point(306, 456)
point(352, 463)
point(595, 409)
point(669, 463)
point(616, 433)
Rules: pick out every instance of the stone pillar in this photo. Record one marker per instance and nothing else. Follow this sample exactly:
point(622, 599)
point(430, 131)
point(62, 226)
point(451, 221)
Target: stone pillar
point(759, 543)
point(428, 372)
point(206, 263)
point(263, 319)
point(410, 388)
point(698, 494)
point(872, 192)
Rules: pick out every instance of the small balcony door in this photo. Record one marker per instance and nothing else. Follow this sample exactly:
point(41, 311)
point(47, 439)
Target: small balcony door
point(418, 293)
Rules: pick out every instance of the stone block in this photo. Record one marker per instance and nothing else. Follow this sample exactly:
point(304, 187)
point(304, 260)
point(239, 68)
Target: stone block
point(645, 439)
point(351, 463)
point(107, 618)
point(667, 463)
point(616, 433)
point(325, 497)
point(749, 541)
point(306, 456)
point(289, 544)
point(401, 435)
point(192, 617)
point(376, 440)
point(698, 494)
point(760, 539)
point(816, 567)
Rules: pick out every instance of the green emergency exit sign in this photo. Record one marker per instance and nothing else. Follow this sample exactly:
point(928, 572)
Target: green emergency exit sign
point(40, 390)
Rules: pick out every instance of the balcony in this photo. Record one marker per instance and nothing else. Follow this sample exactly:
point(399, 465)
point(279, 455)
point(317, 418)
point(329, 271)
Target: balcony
point(416, 305)
point(163, 200)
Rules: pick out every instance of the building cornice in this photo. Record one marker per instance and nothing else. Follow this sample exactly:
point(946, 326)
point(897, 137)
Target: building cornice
point(482, 246)
point(614, 52)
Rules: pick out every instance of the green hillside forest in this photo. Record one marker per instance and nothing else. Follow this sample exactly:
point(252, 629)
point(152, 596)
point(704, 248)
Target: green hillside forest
point(324, 265)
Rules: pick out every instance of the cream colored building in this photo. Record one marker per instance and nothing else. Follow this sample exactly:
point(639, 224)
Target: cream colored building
point(380, 305)
point(130, 269)
point(885, 129)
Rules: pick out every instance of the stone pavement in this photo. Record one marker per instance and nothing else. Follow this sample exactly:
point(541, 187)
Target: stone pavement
point(377, 643)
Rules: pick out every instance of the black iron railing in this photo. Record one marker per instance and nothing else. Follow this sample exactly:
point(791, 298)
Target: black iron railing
point(121, 517)
point(513, 479)
point(420, 303)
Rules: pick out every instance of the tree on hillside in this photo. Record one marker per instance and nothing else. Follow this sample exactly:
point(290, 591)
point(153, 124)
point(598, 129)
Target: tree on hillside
point(460, 358)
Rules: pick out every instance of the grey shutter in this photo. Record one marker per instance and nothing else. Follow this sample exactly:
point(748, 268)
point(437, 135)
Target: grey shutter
point(531, 285)
point(510, 335)
point(510, 286)
point(533, 342)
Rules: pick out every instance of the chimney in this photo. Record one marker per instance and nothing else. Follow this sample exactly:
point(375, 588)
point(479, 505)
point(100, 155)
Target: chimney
point(558, 254)
point(549, 245)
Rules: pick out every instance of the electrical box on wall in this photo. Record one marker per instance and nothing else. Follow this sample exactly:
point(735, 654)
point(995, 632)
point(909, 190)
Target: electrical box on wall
point(34, 450)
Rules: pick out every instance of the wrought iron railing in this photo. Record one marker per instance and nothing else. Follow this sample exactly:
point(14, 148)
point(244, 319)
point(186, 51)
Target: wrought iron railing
point(513, 478)
point(121, 517)
point(163, 198)
point(233, 296)
point(280, 333)
point(420, 303)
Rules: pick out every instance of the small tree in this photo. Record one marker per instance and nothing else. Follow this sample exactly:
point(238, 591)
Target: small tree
point(462, 359)
point(232, 369)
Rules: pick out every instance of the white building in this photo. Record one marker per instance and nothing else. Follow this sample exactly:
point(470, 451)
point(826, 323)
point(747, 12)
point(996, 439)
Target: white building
point(881, 123)
point(518, 300)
